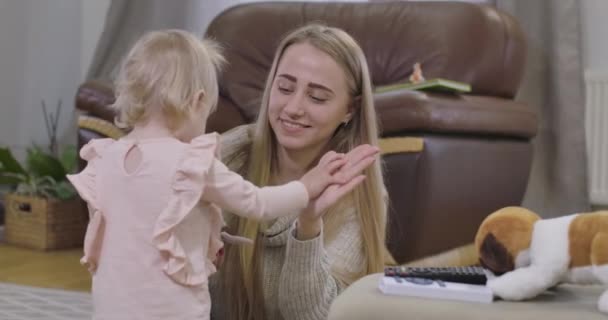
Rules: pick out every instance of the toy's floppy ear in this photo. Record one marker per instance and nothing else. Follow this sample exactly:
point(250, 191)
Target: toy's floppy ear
point(494, 256)
point(503, 235)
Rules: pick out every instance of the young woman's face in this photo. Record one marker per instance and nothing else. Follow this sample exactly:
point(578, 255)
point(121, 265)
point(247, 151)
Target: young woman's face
point(308, 99)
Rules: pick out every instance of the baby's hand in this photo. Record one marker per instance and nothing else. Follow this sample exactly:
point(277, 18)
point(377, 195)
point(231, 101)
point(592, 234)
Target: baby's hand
point(231, 239)
point(321, 176)
point(228, 238)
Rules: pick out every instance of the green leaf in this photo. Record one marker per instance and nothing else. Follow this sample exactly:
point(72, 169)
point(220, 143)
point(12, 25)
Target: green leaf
point(9, 178)
point(44, 181)
point(69, 158)
point(9, 163)
point(42, 164)
point(63, 191)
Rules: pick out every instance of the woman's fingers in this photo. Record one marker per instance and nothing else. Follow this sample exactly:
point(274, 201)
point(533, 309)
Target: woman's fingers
point(347, 187)
point(361, 152)
point(335, 165)
point(329, 157)
point(358, 167)
point(345, 167)
point(344, 175)
point(355, 165)
point(353, 156)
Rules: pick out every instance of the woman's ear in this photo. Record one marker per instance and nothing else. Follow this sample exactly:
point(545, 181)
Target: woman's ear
point(347, 117)
point(354, 105)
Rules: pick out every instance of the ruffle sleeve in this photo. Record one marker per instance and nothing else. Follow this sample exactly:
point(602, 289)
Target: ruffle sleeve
point(85, 184)
point(187, 189)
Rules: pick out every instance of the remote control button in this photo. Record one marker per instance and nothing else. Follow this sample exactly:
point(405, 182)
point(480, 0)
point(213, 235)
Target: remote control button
point(421, 281)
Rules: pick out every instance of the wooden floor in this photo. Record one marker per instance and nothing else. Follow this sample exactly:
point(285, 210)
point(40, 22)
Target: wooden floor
point(62, 270)
point(54, 269)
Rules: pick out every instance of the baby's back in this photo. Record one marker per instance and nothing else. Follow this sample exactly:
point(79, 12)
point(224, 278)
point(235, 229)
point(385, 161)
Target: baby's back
point(132, 202)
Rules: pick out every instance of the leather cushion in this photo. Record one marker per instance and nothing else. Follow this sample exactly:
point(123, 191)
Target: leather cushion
point(407, 111)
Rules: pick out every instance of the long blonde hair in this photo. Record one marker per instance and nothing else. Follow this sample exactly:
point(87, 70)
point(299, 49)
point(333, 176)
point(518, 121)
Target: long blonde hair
point(166, 69)
point(243, 266)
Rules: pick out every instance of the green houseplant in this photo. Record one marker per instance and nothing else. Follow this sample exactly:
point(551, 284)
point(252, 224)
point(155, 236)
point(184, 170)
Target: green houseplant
point(43, 175)
point(42, 210)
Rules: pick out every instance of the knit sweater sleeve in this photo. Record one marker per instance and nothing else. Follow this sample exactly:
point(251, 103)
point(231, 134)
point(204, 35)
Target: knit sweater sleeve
point(308, 282)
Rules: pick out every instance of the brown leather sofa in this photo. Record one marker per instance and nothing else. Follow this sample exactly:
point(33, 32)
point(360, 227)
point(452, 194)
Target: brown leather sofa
point(476, 153)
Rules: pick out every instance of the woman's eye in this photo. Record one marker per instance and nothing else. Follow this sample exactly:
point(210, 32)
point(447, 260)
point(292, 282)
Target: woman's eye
point(318, 99)
point(285, 89)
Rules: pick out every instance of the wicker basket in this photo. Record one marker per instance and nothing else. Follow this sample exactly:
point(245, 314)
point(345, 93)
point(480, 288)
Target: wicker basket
point(44, 224)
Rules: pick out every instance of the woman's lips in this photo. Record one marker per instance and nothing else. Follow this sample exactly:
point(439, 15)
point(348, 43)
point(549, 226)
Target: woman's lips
point(292, 126)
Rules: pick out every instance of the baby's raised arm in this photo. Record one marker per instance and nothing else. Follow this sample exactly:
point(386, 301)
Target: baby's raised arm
point(232, 192)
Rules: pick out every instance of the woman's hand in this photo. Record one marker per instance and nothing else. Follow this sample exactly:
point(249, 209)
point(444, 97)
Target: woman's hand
point(310, 221)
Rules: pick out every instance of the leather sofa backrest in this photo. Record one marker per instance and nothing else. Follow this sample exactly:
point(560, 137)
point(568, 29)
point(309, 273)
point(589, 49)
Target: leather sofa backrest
point(467, 42)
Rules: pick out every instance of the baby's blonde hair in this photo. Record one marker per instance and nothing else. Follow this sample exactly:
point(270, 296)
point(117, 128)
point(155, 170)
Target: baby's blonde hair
point(163, 72)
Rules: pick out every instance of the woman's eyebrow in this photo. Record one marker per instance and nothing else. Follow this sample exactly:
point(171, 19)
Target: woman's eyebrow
point(288, 77)
point(319, 86)
point(312, 85)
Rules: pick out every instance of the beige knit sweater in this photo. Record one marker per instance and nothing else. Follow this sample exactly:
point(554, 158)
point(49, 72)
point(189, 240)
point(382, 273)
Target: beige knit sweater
point(298, 283)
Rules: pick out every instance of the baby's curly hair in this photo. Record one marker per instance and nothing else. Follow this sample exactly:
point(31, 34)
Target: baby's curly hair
point(164, 70)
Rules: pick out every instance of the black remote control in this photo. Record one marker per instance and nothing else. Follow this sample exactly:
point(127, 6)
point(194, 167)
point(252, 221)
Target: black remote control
point(470, 275)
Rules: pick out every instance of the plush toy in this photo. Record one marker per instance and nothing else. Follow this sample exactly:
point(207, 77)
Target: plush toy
point(416, 76)
point(529, 255)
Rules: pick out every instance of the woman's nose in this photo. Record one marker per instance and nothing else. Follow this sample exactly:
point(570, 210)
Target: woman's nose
point(294, 106)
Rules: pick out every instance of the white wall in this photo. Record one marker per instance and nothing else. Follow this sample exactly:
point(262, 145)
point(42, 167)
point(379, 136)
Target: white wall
point(12, 61)
point(93, 18)
point(52, 69)
point(46, 47)
point(594, 15)
point(595, 59)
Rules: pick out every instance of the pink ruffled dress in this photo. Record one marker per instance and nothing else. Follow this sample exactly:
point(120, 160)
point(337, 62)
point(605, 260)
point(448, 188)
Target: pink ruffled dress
point(154, 232)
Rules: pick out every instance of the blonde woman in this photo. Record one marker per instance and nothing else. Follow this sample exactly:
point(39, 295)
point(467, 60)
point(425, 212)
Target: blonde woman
point(318, 97)
point(154, 195)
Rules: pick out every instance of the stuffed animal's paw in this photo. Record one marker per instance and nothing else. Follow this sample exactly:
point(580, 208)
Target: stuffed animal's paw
point(507, 290)
point(524, 283)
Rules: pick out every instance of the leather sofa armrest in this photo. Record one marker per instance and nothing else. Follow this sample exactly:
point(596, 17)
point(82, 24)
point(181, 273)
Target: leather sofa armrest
point(413, 112)
point(94, 98)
